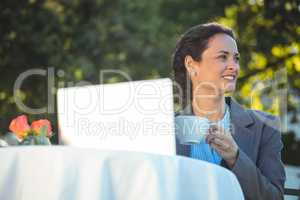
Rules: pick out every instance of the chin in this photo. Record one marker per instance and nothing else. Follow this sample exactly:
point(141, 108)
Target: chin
point(229, 88)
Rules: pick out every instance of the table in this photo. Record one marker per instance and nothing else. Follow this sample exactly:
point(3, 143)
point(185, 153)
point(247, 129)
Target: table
point(69, 173)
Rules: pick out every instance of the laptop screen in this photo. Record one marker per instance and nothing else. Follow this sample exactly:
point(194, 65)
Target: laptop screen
point(133, 116)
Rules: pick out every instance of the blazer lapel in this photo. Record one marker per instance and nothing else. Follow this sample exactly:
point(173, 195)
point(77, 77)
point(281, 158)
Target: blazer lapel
point(240, 123)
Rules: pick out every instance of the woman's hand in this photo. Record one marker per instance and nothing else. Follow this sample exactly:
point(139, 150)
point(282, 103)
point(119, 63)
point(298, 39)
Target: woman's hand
point(223, 143)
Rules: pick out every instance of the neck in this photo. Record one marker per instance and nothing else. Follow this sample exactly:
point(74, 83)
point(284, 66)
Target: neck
point(211, 107)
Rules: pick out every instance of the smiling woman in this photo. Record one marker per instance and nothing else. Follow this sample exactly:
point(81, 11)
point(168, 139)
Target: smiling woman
point(247, 142)
point(219, 64)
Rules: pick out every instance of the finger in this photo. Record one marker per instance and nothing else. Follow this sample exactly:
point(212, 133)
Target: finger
point(218, 141)
point(221, 136)
point(209, 138)
point(217, 148)
point(221, 143)
point(221, 129)
point(214, 129)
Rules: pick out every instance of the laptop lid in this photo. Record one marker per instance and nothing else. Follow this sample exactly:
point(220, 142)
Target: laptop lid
point(133, 116)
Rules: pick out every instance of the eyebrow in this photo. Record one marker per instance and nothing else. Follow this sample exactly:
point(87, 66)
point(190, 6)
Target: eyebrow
point(226, 52)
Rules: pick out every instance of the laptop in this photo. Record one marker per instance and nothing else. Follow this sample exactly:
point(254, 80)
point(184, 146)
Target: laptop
point(131, 116)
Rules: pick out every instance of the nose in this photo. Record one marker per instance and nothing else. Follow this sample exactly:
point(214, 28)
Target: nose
point(233, 65)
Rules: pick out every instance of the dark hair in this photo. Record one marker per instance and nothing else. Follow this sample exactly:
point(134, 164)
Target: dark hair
point(193, 42)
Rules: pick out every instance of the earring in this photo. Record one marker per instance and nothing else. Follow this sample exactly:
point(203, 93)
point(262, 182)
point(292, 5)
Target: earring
point(193, 73)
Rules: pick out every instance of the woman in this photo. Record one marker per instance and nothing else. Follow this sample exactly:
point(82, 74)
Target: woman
point(206, 66)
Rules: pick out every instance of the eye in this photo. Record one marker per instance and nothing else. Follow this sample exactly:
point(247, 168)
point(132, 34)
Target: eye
point(237, 58)
point(222, 57)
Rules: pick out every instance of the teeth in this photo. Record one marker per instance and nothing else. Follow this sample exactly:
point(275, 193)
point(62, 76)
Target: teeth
point(229, 77)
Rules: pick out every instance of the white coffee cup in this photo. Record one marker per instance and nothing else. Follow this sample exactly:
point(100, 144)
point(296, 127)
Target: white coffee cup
point(191, 129)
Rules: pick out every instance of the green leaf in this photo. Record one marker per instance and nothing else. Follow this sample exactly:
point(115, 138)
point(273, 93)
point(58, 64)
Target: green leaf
point(11, 139)
point(29, 140)
point(41, 140)
point(44, 131)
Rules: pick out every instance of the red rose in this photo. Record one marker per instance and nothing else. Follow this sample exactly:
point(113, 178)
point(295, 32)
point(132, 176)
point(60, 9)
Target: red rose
point(37, 125)
point(20, 126)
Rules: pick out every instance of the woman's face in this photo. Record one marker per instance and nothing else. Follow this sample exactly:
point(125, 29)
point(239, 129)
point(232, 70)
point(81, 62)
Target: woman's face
point(219, 65)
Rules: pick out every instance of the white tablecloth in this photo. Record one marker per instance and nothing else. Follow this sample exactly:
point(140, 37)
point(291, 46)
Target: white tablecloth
point(68, 173)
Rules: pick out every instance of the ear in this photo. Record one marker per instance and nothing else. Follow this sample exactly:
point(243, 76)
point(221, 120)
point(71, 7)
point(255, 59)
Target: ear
point(190, 65)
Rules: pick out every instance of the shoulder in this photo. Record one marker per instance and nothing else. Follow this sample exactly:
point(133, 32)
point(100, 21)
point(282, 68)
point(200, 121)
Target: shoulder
point(264, 119)
point(270, 131)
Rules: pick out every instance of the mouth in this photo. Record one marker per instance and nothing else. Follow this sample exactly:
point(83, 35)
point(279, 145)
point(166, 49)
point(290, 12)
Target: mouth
point(229, 77)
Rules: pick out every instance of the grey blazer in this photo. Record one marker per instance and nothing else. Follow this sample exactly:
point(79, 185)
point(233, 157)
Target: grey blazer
point(258, 168)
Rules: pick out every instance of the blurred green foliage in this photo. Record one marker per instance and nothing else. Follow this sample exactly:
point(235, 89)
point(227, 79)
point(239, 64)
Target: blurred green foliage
point(81, 37)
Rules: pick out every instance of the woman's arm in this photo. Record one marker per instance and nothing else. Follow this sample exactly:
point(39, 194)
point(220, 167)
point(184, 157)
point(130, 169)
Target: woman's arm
point(265, 180)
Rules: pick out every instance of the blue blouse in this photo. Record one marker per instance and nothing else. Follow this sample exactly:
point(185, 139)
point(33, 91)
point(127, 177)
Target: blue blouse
point(202, 150)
